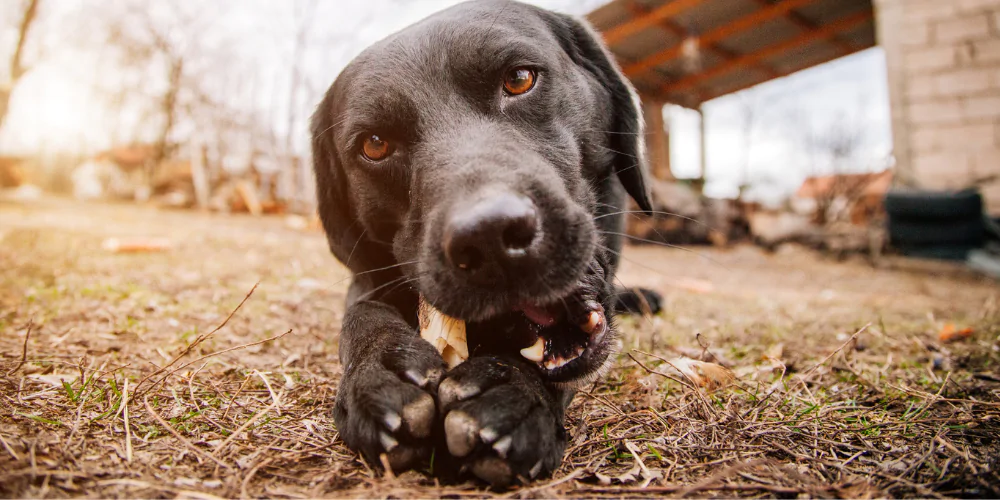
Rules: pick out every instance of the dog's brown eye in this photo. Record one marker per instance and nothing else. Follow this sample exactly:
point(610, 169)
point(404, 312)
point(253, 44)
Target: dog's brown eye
point(375, 148)
point(519, 81)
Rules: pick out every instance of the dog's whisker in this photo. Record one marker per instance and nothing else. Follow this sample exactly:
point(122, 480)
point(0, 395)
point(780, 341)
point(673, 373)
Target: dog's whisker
point(657, 212)
point(386, 268)
point(348, 263)
point(615, 151)
point(658, 233)
point(668, 245)
point(618, 132)
point(405, 282)
point(644, 316)
point(398, 282)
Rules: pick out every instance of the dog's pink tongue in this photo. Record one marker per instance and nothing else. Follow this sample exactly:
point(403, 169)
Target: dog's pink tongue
point(538, 315)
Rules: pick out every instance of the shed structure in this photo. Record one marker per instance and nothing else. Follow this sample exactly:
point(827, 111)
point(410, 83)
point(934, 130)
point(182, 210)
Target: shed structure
point(686, 52)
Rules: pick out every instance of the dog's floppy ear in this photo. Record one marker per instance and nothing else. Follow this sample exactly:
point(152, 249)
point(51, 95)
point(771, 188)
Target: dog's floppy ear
point(626, 134)
point(335, 208)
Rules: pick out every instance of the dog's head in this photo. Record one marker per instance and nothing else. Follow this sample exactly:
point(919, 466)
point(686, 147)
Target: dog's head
point(474, 149)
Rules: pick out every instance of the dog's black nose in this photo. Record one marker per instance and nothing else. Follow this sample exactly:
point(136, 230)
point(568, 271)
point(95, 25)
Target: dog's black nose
point(491, 234)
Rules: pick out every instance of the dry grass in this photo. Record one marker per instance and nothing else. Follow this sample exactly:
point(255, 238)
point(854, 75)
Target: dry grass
point(173, 374)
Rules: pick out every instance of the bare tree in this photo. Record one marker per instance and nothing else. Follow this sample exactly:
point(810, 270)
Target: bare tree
point(838, 178)
point(17, 65)
point(304, 13)
point(750, 114)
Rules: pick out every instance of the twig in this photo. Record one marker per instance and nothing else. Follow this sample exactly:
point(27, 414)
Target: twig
point(274, 398)
point(834, 353)
point(708, 483)
point(693, 489)
point(8, 448)
point(210, 355)
point(195, 343)
point(233, 400)
point(555, 482)
point(654, 372)
point(243, 428)
point(389, 474)
point(24, 349)
point(128, 431)
point(185, 442)
point(246, 480)
point(968, 461)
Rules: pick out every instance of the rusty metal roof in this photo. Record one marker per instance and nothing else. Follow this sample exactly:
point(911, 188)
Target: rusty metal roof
point(690, 51)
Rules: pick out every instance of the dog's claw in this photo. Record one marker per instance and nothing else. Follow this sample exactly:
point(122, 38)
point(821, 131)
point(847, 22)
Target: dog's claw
point(417, 378)
point(388, 442)
point(536, 469)
point(502, 446)
point(451, 390)
point(392, 421)
point(488, 435)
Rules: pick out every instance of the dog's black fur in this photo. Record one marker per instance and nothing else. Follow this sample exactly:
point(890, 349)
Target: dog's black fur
point(571, 147)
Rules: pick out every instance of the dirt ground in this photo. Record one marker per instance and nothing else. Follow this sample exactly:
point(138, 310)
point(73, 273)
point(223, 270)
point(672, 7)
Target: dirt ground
point(844, 388)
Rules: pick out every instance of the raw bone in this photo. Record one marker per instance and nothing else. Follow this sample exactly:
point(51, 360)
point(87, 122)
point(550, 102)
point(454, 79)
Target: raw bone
point(445, 333)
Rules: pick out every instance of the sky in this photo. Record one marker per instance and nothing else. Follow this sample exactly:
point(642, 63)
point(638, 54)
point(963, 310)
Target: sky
point(57, 108)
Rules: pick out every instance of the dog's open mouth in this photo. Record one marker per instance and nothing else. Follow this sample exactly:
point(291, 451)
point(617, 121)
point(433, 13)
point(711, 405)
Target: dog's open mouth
point(561, 340)
point(558, 340)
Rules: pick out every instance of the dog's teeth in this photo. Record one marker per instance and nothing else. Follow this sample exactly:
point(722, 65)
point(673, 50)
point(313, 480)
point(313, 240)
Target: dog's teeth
point(593, 322)
point(553, 363)
point(536, 352)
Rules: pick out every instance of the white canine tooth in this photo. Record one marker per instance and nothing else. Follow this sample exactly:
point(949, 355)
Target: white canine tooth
point(536, 352)
point(553, 363)
point(593, 321)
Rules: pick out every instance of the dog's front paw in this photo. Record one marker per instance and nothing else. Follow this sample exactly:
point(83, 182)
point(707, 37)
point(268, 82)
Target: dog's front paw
point(500, 421)
point(387, 406)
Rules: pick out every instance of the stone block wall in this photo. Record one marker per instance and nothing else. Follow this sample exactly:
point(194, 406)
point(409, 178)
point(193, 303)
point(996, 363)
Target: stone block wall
point(943, 61)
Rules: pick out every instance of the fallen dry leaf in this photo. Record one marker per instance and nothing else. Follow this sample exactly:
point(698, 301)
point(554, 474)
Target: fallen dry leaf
point(703, 374)
point(950, 334)
point(135, 245)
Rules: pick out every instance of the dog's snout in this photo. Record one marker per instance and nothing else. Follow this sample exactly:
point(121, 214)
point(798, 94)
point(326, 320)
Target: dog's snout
point(490, 234)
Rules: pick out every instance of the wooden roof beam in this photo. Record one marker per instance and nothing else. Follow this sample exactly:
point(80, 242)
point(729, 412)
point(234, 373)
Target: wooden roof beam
point(809, 25)
point(721, 33)
point(744, 86)
point(655, 16)
point(825, 31)
point(678, 31)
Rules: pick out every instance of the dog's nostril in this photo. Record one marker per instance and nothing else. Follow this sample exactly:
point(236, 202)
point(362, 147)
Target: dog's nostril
point(519, 234)
point(467, 258)
point(495, 231)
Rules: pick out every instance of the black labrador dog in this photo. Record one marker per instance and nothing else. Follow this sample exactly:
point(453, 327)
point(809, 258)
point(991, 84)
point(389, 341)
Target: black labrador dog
point(479, 159)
